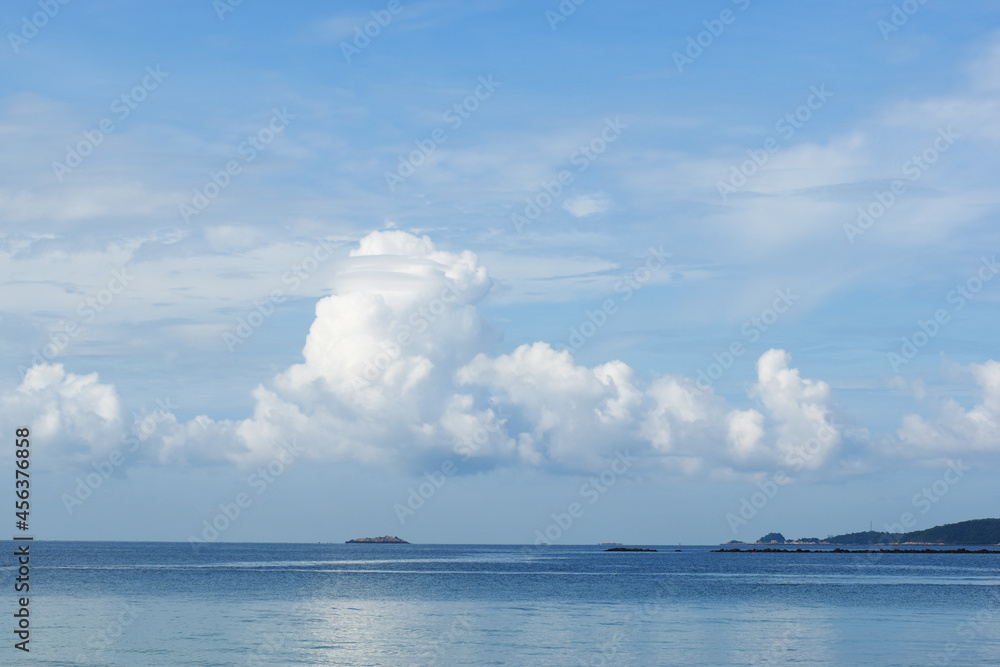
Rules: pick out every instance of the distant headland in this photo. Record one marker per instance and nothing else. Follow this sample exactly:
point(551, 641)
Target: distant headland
point(385, 539)
point(964, 533)
point(838, 550)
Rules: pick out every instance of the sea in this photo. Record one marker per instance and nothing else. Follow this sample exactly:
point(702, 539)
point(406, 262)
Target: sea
point(134, 603)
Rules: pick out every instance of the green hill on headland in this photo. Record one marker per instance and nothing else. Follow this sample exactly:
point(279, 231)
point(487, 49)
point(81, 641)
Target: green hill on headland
point(866, 537)
point(977, 531)
point(964, 533)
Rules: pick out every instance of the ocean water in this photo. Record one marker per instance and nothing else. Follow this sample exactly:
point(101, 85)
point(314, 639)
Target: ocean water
point(96, 603)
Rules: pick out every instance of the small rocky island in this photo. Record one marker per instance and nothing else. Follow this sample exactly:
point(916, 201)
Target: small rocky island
point(385, 539)
point(628, 549)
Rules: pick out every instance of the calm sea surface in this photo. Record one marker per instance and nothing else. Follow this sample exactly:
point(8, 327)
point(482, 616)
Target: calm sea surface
point(98, 603)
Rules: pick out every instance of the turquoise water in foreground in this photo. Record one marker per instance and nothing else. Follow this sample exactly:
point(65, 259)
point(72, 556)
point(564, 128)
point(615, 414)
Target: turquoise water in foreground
point(114, 603)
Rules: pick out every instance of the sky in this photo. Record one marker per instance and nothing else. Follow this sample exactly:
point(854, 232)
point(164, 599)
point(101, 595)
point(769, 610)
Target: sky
point(500, 272)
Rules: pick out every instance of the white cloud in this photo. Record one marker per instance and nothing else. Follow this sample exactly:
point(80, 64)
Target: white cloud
point(571, 415)
point(375, 383)
point(956, 429)
point(806, 436)
point(125, 200)
point(224, 238)
point(397, 365)
point(746, 430)
point(582, 206)
point(679, 416)
point(66, 404)
point(73, 419)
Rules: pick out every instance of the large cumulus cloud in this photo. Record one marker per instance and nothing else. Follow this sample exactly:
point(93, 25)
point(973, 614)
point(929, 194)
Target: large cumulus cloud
point(399, 365)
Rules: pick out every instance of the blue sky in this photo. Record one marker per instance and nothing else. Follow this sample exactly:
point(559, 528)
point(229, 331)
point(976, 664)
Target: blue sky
point(694, 288)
